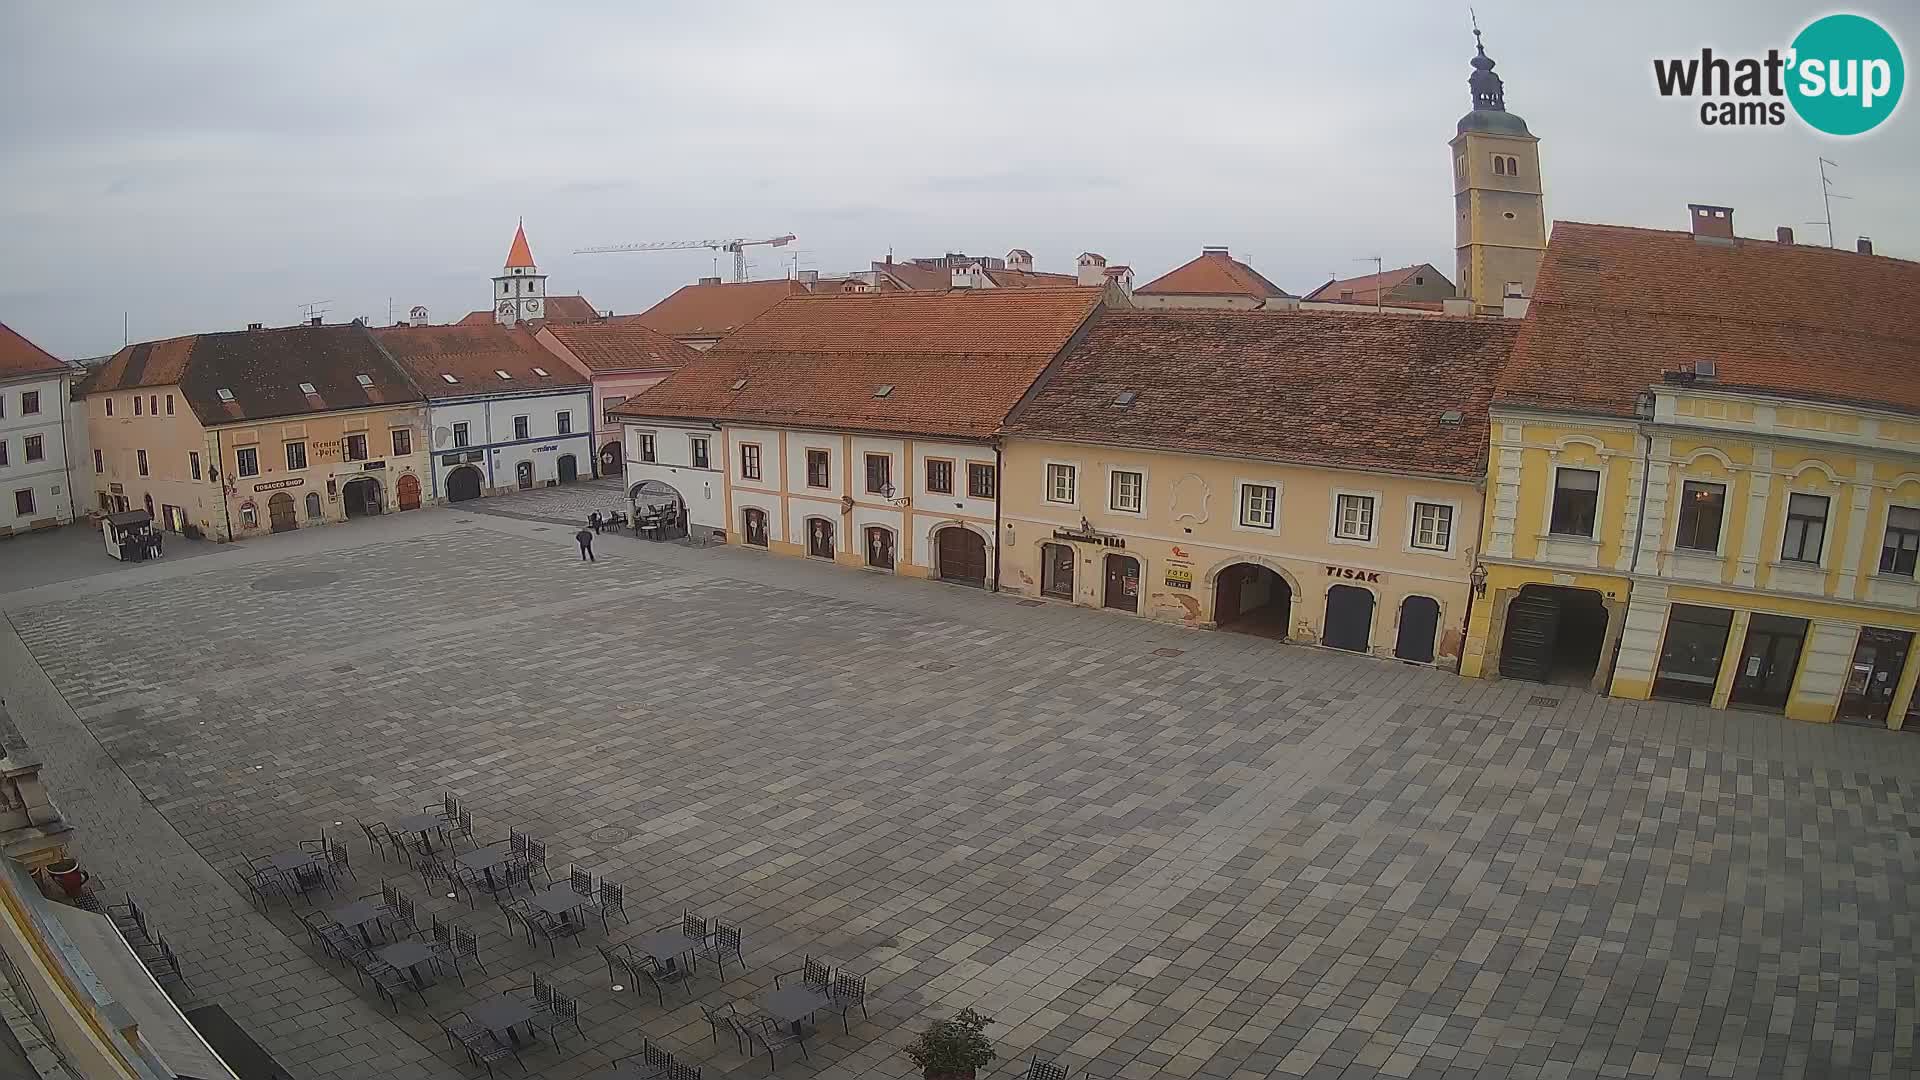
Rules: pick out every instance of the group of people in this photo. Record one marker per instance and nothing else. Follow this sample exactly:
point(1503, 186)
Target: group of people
point(656, 517)
point(145, 540)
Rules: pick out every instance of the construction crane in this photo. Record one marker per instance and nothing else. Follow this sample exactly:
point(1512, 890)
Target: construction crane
point(737, 246)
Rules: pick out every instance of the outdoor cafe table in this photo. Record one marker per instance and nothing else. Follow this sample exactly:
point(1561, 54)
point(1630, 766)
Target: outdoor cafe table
point(628, 1070)
point(408, 956)
point(794, 1004)
point(423, 824)
point(665, 946)
point(558, 900)
point(356, 916)
point(501, 1012)
point(484, 860)
point(293, 861)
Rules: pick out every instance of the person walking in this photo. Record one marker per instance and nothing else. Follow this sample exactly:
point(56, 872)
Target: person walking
point(593, 522)
point(586, 545)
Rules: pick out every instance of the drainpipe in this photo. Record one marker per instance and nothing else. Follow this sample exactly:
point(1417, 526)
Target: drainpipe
point(998, 480)
point(1480, 524)
point(1639, 524)
point(226, 504)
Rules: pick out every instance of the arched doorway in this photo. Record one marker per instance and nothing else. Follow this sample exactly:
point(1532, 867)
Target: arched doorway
point(314, 510)
point(657, 506)
point(820, 538)
point(569, 467)
point(754, 526)
point(149, 501)
point(1253, 599)
point(1349, 619)
point(463, 483)
point(610, 463)
point(362, 497)
point(408, 491)
point(1123, 583)
point(961, 555)
point(523, 475)
point(1056, 571)
point(1419, 623)
point(879, 548)
point(280, 512)
point(1554, 635)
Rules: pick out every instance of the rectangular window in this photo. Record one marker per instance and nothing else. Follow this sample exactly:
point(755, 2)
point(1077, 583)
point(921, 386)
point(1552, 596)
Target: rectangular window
point(99, 462)
point(1806, 528)
point(940, 476)
point(460, 436)
point(1432, 526)
point(1259, 504)
point(357, 447)
point(981, 481)
point(607, 405)
point(564, 421)
point(819, 469)
point(109, 406)
point(36, 447)
point(1702, 507)
point(521, 427)
point(296, 455)
point(3, 451)
point(699, 452)
point(402, 441)
point(1576, 498)
point(153, 404)
point(23, 502)
point(246, 461)
point(749, 461)
point(169, 404)
point(1126, 491)
point(646, 448)
point(1353, 517)
point(29, 402)
point(193, 463)
point(141, 457)
point(880, 474)
point(136, 405)
point(1061, 482)
point(1901, 548)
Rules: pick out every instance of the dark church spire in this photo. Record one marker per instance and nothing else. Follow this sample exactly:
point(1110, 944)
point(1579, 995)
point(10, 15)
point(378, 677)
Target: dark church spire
point(1488, 93)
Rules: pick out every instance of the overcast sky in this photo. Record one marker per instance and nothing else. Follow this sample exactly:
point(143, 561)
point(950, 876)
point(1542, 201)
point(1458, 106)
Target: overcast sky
point(201, 166)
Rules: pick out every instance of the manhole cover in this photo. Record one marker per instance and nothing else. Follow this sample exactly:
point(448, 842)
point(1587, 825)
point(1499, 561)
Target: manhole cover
point(608, 834)
point(936, 665)
point(1029, 603)
point(1169, 652)
point(463, 521)
point(1543, 701)
point(343, 668)
point(539, 528)
point(296, 580)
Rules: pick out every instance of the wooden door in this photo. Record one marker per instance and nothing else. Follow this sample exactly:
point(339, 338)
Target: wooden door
point(963, 556)
point(1349, 619)
point(523, 474)
point(409, 492)
point(1419, 620)
point(1533, 624)
point(820, 538)
point(1123, 583)
point(879, 548)
point(280, 512)
point(756, 527)
point(569, 469)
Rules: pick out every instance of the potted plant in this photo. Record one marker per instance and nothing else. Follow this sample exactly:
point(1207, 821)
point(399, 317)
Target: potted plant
point(953, 1049)
point(67, 874)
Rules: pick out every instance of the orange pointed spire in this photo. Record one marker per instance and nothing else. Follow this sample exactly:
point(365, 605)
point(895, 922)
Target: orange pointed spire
point(520, 254)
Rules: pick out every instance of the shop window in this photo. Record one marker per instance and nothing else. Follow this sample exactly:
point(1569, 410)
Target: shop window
point(1690, 656)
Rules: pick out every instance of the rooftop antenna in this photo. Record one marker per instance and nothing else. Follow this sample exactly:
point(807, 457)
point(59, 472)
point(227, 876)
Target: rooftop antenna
point(1378, 269)
point(1827, 195)
point(317, 307)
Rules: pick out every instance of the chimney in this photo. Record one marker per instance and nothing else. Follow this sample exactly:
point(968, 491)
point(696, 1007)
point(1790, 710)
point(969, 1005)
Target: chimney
point(255, 326)
point(1457, 306)
point(1093, 269)
point(709, 281)
point(1214, 251)
point(1120, 280)
point(315, 321)
point(962, 277)
point(1020, 259)
point(1712, 224)
point(1865, 245)
point(809, 277)
point(1785, 236)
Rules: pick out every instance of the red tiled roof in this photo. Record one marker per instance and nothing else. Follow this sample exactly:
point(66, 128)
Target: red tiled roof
point(917, 278)
point(1310, 387)
point(1614, 307)
point(622, 344)
point(1214, 273)
point(475, 355)
point(1026, 279)
point(1362, 288)
point(18, 356)
point(263, 370)
point(520, 255)
point(957, 361)
point(559, 309)
point(714, 311)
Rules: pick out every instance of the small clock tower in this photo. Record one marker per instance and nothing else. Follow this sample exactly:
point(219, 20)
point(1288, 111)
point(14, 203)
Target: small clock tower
point(520, 289)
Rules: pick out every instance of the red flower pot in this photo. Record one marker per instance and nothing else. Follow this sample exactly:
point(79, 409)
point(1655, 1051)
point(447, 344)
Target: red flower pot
point(67, 874)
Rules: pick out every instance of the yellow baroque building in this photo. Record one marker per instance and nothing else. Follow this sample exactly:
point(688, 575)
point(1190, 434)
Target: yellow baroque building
point(1704, 476)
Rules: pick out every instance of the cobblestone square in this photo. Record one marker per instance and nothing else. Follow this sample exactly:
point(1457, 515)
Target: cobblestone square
point(1147, 851)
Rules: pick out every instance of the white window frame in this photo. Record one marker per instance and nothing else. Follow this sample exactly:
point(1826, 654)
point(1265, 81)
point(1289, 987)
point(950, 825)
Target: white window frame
point(705, 443)
point(1240, 489)
point(462, 435)
point(563, 422)
point(1834, 507)
point(1414, 503)
point(1113, 472)
point(1676, 500)
point(647, 445)
point(346, 446)
point(1374, 522)
point(523, 420)
point(287, 448)
point(1880, 545)
point(1599, 502)
point(759, 463)
point(238, 469)
point(1047, 493)
point(806, 474)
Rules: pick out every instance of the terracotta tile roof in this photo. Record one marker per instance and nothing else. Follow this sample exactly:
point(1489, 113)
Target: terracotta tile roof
point(957, 361)
point(263, 370)
point(622, 344)
point(916, 278)
point(1362, 288)
point(18, 356)
point(1214, 273)
point(1025, 279)
point(1310, 387)
point(475, 355)
point(520, 254)
point(559, 309)
point(714, 311)
point(1615, 307)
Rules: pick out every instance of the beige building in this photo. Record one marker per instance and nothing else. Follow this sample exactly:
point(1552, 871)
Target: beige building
point(1500, 220)
point(262, 430)
point(1306, 476)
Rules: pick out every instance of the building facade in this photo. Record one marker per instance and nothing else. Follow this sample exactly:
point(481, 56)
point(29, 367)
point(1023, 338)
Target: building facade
point(231, 435)
point(1500, 222)
point(1137, 479)
point(35, 492)
point(504, 413)
point(1730, 519)
point(1214, 280)
point(620, 357)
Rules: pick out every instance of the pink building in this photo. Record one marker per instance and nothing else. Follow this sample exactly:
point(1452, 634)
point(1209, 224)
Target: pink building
point(622, 357)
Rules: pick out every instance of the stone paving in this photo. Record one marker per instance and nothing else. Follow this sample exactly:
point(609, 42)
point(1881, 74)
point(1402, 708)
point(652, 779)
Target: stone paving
point(1146, 850)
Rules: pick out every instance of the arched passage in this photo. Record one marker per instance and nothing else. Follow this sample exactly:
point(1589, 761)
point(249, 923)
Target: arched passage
point(610, 463)
point(463, 483)
point(1554, 634)
point(361, 497)
point(1252, 599)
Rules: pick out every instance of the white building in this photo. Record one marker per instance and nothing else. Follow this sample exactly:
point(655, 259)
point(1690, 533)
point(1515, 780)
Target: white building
point(34, 390)
point(505, 414)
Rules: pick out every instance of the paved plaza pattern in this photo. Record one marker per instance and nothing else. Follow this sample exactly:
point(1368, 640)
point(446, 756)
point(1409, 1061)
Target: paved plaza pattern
point(1147, 851)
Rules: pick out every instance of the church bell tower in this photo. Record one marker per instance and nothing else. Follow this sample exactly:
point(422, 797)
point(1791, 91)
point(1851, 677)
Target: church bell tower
point(1500, 222)
point(520, 289)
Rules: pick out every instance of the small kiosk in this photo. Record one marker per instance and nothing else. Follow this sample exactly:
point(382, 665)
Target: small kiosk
point(122, 532)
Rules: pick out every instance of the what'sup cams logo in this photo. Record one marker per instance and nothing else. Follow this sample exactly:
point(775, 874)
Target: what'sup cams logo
point(1842, 75)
